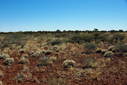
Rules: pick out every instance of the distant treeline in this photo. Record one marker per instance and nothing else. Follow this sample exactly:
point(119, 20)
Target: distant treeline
point(64, 31)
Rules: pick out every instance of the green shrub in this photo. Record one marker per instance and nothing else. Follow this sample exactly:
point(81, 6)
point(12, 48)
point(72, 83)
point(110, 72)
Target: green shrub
point(8, 61)
point(56, 42)
point(23, 60)
point(125, 54)
point(46, 61)
point(112, 48)
point(14, 38)
point(37, 54)
point(4, 56)
point(90, 46)
point(22, 51)
point(69, 63)
point(102, 37)
point(118, 37)
point(43, 62)
point(53, 58)
point(103, 51)
point(121, 47)
point(76, 39)
point(81, 38)
point(47, 53)
point(108, 54)
point(20, 77)
point(88, 37)
point(90, 62)
point(98, 50)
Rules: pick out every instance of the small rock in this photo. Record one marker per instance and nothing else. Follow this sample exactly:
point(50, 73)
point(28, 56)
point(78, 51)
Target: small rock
point(1, 83)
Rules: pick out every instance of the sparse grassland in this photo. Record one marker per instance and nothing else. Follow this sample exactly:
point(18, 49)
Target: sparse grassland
point(63, 58)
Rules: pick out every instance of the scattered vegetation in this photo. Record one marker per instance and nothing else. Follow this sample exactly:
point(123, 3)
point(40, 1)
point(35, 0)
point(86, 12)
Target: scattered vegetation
point(90, 62)
point(8, 61)
point(55, 42)
point(69, 63)
point(121, 47)
point(23, 60)
point(4, 56)
point(90, 47)
point(57, 81)
point(108, 54)
point(44, 61)
point(63, 58)
point(20, 77)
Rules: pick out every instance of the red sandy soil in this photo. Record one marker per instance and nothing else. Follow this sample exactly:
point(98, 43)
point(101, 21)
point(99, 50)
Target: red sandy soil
point(114, 73)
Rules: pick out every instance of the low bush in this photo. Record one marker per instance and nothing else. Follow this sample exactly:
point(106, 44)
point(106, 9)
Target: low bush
point(53, 58)
point(25, 55)
point(103, 51)
point(8, 61)
point(118, 37)
point(108, 54)
point(47, 53)
point(23, 60)
point(125, 54)
point(14, 38)
point(113, 48)
point(4, 56)
point(46, 61)
point(90, 62)
point(36, 54)
point(20, 77)
point(88, 37)
point(55, 42)
point(121, 47)
point(90, 46)
point(21, 51)
point(81, 38)
point(69, 63)
point(98, 50)
point(103, 37)
point(76, 39)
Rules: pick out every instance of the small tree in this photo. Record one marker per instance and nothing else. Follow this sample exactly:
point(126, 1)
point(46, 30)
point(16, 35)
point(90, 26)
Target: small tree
point(95, 30)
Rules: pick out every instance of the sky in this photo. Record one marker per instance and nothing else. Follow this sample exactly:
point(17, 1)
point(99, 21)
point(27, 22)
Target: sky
point(50, 15)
